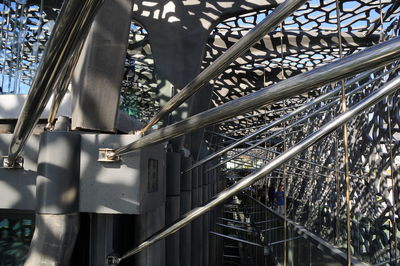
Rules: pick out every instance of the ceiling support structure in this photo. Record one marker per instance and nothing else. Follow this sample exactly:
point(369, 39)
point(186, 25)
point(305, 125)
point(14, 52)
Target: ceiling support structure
point(377, 56)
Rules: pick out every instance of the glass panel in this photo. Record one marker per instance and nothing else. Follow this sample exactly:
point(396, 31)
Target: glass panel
point(16, 231)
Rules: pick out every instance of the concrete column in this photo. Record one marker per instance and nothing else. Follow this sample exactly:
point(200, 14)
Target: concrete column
point(101, 238)
point(185, 237)
point(206, 219)
point(145, 225)
point(173, 168)
point(155, 222)
point(172, 208)
point(216, 243)
point(197, 225)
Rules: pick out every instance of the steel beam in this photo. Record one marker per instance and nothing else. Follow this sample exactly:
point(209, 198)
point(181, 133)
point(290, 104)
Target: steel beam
point(233, 221)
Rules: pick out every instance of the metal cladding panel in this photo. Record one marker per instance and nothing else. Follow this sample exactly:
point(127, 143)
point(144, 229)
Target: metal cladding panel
point(197, 242)
point(145, 225)
point(205, 196)
point(203, 176)
point(195, 198)
point(206, 238)
point(155, 222)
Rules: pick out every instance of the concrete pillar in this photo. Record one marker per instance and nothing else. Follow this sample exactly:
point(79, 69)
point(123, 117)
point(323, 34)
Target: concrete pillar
point(197, 236)
point(57, 199)
point(173, 168)
point(216, 242)
point(101, 238)
point(96, 83)
point(172, 208)
point(145, 225)
point(206, 218)
point(186, 179)
point(155, 222)
point(185, 237)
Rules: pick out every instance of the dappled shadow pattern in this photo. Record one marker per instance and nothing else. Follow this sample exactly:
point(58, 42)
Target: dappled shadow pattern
point(306, 40)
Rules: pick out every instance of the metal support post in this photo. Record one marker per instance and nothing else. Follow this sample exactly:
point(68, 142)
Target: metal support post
point(172, 211)
point(57, 205)
point(185, 237)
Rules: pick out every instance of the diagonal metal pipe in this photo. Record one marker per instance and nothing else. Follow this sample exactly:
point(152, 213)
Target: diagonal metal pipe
point(69, 32)
point(237, 239)
point(325, 130)
point(288, 166)
point(218, 66)
point(377, 56)
point(279, 121)
point(308, 116)
point(297, 159)
point(62, 86)
point(260, 114)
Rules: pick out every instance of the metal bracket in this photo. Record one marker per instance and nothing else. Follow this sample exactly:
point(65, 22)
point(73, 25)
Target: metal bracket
point(108, 155)
point(18, 163)
point(112, 260)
